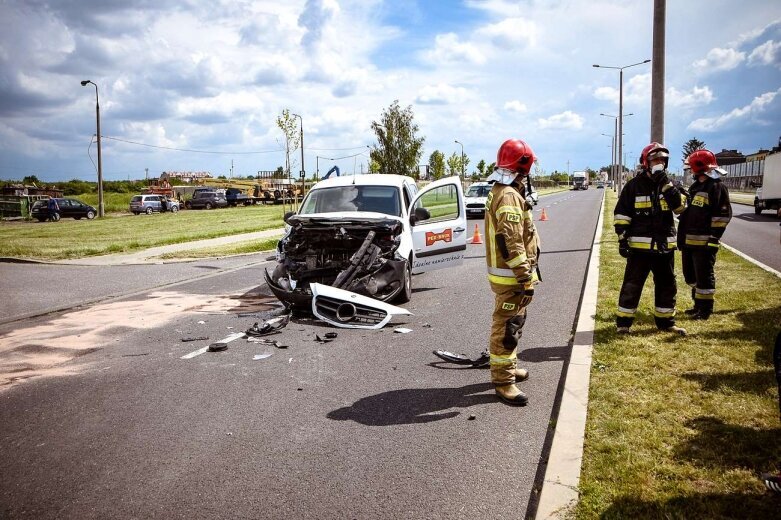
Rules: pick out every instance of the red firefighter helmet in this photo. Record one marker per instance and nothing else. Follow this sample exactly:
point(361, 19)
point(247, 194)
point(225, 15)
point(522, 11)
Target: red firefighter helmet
point(702, 161)
point(515, 155)
point(654, 151)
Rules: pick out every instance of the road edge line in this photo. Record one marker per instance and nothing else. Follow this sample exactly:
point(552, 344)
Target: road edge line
point(562, 474)
point(752, 260)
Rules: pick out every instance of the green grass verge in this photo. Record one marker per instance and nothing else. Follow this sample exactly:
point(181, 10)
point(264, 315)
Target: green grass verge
point(240, 248)
point(70, 238)
point(742, 197)
point(112, 202)
point(682, 427)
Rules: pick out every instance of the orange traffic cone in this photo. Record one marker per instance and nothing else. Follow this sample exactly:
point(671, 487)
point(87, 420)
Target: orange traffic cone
point(476, 238)
point(544, 215)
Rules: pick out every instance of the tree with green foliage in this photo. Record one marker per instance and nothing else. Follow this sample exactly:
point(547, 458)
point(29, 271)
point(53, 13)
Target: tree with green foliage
point(436, 164)
point(31, 179)
point(287, 123)
point(481, 168)
point(692, 145)
point(456, 164)
point(398, 149)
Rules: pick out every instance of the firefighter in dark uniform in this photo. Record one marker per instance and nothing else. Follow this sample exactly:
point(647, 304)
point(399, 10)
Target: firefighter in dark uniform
point(511, 253)
point(643, 220)
point(701, 226)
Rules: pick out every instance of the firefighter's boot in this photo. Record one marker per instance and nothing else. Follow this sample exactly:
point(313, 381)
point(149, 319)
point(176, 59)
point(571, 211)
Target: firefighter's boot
point(676, 329)
point(521, 374)
point(511, 395)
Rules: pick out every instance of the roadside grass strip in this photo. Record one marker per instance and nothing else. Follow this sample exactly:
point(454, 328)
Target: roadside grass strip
point(683, 427)
point(70, 238)
point(250, 246)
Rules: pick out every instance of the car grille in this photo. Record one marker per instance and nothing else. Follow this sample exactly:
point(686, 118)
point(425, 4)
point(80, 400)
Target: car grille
point(475, 205)
point(348, 312)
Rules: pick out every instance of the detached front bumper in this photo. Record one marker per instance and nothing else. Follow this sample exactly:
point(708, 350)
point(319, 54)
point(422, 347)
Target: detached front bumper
point(384, 285)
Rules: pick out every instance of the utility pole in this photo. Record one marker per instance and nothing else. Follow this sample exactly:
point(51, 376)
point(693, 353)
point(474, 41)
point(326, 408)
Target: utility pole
point(147, 174)
point(657, 73)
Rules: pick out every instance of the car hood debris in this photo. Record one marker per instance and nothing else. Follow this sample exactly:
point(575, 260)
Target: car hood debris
point(355, 253)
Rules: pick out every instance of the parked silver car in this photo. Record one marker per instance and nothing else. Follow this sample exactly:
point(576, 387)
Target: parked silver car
point(152, 203)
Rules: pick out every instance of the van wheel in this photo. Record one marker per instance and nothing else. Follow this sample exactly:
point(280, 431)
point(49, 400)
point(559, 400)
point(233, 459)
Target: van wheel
point(149, 211)
point(174, 209)
point(208, 205)
point(405, 295)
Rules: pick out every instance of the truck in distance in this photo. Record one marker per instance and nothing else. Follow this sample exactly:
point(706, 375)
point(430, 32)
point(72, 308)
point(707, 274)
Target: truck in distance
point(579, 180)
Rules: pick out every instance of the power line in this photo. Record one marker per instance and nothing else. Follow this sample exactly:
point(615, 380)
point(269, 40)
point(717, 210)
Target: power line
point(189, 150)
point(224, 153)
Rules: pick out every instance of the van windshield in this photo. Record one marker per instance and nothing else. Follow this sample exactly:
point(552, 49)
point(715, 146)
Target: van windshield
point(478, 191)
point(379, 199)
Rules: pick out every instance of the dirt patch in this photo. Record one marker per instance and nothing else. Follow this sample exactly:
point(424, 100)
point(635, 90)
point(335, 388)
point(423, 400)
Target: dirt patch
point(42, 349)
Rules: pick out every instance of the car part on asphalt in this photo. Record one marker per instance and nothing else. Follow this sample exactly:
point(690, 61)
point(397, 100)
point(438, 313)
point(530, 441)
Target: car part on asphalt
point(271, 326)
point(261, 356)
point(218, 346)
point(460, 359)
point(326, 339)
point(199, 338)
point(402, 330)
point(358, 256)
point(267, 341)
point(347, 309)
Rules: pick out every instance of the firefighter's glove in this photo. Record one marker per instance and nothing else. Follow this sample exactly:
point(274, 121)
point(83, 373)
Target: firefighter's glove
point(623, 247)
point(527, 293)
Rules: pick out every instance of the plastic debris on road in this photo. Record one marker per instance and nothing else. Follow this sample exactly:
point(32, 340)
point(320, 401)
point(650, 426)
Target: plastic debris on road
point(260, 356)
point(271, 326)
point(198, 338)
point(402, 330)
point(267, 341)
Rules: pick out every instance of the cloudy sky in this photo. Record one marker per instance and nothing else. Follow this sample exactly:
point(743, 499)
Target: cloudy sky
point(181, 78)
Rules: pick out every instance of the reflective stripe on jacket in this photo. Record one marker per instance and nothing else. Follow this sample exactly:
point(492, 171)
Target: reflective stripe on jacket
point(706, 216)
point(512, 243)
point(644, 214)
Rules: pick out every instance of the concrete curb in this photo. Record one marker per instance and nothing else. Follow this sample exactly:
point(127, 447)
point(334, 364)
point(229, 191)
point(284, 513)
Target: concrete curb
point(562, 475)
point(753, 261)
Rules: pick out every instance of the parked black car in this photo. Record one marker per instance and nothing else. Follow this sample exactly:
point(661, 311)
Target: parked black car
point(208, 200)
point(69, 208)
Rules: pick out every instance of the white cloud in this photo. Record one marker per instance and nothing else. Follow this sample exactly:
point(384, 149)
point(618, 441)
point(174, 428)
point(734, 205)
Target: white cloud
point(636, 90)
point(510, 33)
point(515, 106)
point(697, 96)
point(567, 120)
point(448, 48)
point(768, 53)
point(442, 94)
point(757, 105)
point(719, 59)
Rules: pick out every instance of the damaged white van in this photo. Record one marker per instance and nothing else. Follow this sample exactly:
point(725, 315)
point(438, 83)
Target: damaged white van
point(368, 234)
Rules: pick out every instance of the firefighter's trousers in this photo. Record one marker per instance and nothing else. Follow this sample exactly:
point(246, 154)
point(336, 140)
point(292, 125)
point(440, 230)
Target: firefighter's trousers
point(638, 265)
point(506, 329)
point(698, 272)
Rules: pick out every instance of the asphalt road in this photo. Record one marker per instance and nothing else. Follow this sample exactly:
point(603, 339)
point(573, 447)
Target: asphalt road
point(369, 425)
point(758, 236)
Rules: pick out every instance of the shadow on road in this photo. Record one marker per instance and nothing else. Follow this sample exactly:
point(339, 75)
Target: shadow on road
point(543, 354)
point(413, 406)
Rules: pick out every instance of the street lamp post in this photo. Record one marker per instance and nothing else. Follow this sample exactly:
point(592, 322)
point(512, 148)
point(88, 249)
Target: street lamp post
point(620, 111)
point(463, 174)
point(101, 207)
point(614, 165)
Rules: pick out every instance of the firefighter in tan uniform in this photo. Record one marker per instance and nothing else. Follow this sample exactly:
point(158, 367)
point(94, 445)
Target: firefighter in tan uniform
point(511, 252)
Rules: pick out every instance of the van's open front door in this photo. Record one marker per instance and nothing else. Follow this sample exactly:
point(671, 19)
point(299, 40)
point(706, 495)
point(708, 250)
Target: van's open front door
point(439, 226)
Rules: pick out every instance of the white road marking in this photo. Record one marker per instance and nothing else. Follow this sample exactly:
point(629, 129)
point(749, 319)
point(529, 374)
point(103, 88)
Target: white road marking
point(200, 351)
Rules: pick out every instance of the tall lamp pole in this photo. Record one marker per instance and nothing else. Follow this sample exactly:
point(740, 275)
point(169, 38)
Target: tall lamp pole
point(101, 207)
point(620, 113)
point(463, 175)
point(614, 164)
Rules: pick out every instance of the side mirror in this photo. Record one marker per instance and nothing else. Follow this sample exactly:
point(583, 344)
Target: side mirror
point(288, 215)
point(418, 215)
